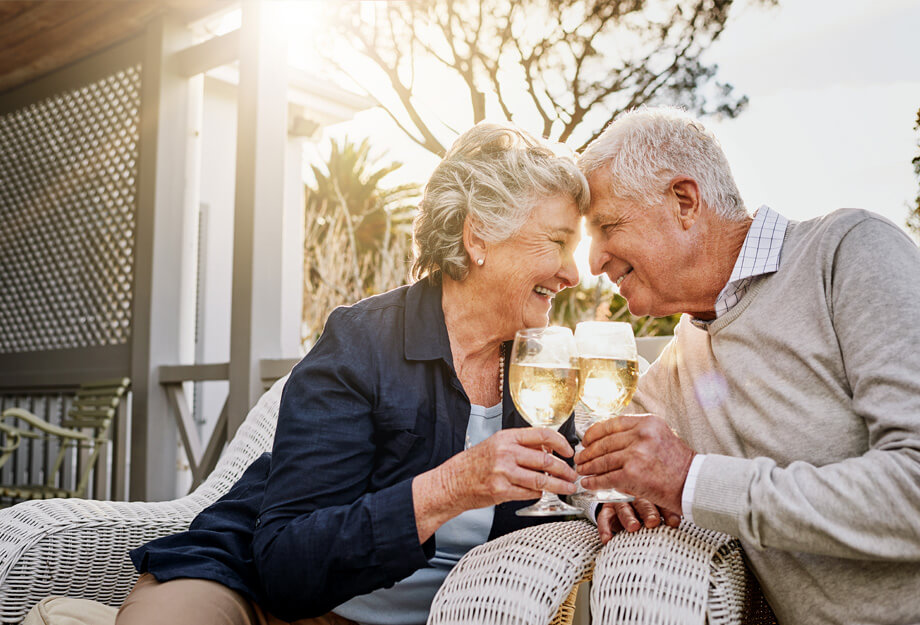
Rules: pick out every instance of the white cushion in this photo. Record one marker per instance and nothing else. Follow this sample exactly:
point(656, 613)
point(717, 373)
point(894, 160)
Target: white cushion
point(67, 611)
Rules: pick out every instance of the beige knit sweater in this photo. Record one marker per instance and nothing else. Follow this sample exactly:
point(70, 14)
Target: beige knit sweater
point(807, 396)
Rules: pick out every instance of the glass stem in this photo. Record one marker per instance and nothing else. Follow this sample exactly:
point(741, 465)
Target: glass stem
point(546, 496)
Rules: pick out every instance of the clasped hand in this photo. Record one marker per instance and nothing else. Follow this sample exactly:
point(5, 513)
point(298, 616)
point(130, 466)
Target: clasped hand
point(639, 454)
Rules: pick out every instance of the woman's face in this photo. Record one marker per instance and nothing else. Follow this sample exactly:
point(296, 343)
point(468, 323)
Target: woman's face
point(526, 271)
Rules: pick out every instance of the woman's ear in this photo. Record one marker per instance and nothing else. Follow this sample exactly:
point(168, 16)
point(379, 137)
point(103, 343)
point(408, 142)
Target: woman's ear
point(686, 192)
point(473, 242)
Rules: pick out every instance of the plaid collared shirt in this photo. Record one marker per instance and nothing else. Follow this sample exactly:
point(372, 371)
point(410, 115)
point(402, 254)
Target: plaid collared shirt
point(759, 256)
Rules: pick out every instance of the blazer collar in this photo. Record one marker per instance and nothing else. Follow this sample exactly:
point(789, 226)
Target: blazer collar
point(426, 339)
point(426, 334)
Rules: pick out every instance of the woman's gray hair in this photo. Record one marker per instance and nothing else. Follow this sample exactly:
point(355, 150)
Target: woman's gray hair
point(495, 174)
point(645, 148)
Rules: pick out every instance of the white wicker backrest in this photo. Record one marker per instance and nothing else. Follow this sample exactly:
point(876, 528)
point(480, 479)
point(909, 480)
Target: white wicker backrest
point(79, 548)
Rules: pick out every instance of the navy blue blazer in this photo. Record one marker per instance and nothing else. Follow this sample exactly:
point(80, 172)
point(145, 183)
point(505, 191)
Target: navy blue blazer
point(328, 515)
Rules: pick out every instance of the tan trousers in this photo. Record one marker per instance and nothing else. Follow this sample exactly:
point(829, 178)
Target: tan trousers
point(199, 602)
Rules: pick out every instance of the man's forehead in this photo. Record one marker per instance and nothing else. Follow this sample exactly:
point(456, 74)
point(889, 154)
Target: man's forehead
point(603, 207)
point(600, 184)
point(601, 214)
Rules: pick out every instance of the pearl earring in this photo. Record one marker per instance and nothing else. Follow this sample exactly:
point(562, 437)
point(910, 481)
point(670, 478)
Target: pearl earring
point(480, 262)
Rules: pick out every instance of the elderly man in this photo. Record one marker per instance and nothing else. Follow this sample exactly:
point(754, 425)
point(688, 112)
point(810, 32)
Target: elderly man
point(792, 384)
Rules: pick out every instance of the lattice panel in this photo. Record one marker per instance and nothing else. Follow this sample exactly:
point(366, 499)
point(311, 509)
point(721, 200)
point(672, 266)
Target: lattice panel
point(68, 181)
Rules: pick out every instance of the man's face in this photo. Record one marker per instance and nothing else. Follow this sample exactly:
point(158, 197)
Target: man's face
point(639, 247)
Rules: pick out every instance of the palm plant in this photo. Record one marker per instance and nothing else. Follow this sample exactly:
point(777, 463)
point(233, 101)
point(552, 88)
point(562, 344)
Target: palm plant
point(358, 234)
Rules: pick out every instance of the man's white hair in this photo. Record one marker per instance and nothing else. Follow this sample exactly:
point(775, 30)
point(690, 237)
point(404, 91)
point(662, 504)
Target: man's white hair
point(645, 148)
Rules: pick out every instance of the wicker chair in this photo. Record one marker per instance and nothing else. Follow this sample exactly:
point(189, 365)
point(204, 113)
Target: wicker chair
point(79, 548)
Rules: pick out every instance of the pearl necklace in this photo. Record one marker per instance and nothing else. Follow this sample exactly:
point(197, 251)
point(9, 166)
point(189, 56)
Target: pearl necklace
point(501, 373)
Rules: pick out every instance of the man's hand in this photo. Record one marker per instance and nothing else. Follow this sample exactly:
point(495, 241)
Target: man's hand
point(638, 454)
point(615, 517)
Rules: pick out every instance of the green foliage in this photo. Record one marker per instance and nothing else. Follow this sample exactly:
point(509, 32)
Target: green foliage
point(353, 179)
point(600, 302)
point(913, 219)
point(358, 232)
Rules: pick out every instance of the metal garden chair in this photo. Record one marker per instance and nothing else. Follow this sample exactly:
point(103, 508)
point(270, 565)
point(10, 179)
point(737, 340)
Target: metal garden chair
point(85, 427)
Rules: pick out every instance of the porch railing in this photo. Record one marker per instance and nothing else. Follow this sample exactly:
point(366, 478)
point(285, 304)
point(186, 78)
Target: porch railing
point(109, 478)
point(202, 454)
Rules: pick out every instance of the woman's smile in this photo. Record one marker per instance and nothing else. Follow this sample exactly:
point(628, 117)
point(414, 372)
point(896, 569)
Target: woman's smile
point(544, 293)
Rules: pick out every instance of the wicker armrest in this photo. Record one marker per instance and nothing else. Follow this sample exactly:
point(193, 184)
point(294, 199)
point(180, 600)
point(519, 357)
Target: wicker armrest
point(521, 578)
point(79, 548)
point(680, 576)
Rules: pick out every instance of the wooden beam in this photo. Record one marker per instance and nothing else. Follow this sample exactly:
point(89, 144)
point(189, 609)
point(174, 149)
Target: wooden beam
point(207, 55)
point(58, 36)
point(272, 369)
point(38, 37)
point(212, 452)
point(158, 260)
point(120, 434)
point(188, 431)
point(173, 374)
point(74, 76)
point(67, 368)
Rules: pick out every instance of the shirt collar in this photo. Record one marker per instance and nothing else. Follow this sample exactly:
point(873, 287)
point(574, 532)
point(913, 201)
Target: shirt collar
point(759, 256)
point(425, 332)
point(762, 245)
point(426, 339)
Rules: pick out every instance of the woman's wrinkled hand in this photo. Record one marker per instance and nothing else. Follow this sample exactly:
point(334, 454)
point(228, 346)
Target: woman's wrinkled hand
point(511, 465)
point(616, 517)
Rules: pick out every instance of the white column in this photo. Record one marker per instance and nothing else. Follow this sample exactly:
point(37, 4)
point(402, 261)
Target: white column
point(164, 170)
point(292, 251)
point(259, 208)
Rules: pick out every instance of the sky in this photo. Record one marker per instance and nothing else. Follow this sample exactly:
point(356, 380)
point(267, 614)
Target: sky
point(834, 88)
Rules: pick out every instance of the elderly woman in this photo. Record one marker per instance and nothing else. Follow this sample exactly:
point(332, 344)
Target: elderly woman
point(398, 447)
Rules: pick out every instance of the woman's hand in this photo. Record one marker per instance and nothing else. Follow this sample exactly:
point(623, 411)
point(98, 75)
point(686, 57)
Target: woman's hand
point(510, 465)
point(614, 517)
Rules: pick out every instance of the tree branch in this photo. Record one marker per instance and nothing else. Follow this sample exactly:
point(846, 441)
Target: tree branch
point(404, 93)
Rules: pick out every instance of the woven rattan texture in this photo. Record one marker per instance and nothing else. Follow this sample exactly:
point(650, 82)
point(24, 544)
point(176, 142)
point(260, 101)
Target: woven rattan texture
point(521, 578)
point(674, 576)
point(68, 179)
point(79, 548)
